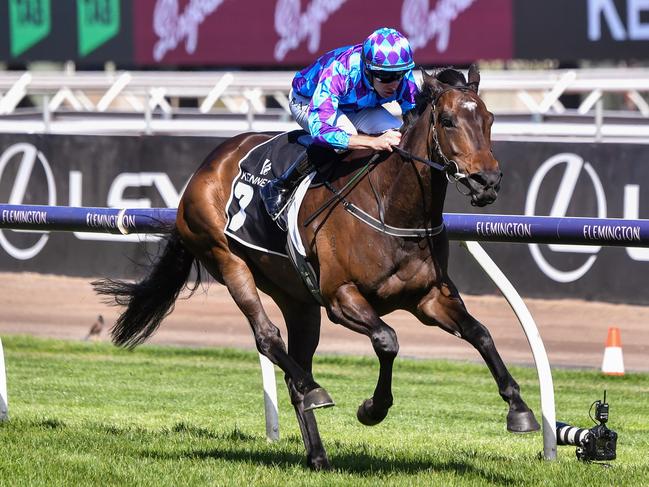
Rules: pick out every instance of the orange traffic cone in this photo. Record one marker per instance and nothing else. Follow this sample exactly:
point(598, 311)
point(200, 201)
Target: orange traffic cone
point(613, 364)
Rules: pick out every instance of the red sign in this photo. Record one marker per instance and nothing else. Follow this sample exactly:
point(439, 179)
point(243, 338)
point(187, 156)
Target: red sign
point(276, 33)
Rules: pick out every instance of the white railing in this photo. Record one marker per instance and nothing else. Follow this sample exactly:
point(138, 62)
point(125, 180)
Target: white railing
point(4, 400)
point(258, 100)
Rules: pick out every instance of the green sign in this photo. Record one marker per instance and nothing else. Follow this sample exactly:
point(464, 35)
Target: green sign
point(29, 22)
point(98, 22)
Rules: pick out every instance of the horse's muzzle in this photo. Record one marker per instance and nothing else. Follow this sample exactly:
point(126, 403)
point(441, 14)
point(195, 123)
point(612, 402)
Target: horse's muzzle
point(484, 187)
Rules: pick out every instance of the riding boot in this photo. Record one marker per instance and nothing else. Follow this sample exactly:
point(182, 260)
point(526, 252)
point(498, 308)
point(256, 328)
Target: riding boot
point(276, 192)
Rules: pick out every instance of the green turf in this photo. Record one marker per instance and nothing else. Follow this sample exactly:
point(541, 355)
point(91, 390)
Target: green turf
point(92, 414)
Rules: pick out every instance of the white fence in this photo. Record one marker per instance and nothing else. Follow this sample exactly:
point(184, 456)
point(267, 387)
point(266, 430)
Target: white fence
point(218, 102)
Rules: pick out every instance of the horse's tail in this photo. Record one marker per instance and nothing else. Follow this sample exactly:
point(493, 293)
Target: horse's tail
point(149, 301)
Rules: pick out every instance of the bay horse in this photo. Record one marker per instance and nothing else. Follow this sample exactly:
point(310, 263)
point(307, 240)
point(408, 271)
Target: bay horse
point(364, 272)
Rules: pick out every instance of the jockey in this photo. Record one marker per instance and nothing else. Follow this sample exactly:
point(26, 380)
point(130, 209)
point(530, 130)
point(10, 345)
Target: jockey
point(338, 101)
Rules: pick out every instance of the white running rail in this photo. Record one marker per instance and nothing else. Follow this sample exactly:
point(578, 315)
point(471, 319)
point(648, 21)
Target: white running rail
point(270, 398)
point(4, 401)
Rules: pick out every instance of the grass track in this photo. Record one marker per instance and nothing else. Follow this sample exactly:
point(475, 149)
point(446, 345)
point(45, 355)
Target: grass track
point(92, 414)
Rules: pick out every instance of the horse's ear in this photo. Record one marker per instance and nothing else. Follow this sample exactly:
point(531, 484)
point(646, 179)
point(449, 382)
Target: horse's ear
point(474, 78)
point(428, 79)
point(432, 81)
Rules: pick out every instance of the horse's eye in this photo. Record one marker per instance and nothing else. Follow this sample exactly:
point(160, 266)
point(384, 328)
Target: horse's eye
point(447, 122)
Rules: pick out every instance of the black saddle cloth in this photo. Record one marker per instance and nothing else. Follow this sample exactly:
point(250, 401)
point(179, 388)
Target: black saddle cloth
point(248, 221)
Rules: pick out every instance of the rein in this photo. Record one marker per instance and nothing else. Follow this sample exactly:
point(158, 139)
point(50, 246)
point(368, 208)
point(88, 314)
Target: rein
point(337, 194)
point(449, 167)
point(376, 224)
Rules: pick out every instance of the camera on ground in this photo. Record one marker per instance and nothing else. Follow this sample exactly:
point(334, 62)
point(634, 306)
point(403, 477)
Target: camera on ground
point(596, 444)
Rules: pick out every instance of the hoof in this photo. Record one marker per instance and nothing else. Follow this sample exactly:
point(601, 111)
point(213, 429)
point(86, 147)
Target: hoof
point(522, 422)
point(368, 415)
point(317, 398)
point(319, 463)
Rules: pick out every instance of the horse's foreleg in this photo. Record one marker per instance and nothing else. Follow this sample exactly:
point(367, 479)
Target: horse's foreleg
point(443, 307)
point(303, 325)
point(349, 308)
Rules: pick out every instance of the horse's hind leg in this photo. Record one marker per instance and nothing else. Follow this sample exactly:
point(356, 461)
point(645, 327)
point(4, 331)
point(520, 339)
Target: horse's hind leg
point(443, 307)
point(349, 308)
point(211, 247)
point(303, 325)
point(241, 284)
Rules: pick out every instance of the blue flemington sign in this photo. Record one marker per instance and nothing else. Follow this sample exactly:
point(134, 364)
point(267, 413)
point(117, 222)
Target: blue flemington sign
point(87, 219)
point(460, 226)
point(541, 229)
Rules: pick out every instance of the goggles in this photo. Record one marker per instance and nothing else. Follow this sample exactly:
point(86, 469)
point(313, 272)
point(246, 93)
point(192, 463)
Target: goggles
point(388, 76)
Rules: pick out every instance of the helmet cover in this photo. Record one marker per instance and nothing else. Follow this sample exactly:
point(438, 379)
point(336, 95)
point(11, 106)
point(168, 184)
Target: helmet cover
point(387, 50)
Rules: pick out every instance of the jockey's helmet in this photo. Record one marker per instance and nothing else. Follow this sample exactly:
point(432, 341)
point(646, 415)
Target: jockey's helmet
point(387, 50)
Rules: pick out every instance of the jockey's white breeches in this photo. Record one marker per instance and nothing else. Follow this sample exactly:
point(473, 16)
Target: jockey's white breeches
point(375, 120)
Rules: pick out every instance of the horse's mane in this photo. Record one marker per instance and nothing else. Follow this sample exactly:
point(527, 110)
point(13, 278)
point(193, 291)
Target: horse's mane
point(426, 95)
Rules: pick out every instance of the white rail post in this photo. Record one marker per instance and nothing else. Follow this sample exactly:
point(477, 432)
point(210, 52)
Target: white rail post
point(270, 398)
point(533, 338)
point(4, 401)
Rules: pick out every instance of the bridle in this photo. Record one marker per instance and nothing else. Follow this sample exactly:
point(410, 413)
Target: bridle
point(447, 166)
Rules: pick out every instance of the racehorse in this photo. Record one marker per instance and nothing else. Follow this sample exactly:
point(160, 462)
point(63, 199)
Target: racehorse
point(365, 271)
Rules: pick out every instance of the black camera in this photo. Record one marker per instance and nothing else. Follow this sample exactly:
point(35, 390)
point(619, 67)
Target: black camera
point(595, 444)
